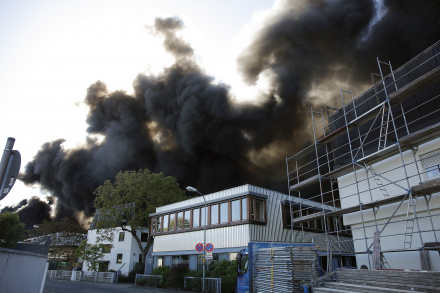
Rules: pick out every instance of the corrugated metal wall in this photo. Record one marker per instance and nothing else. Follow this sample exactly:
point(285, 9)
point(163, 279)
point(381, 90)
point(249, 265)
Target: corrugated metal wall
point(239, 235)
point(274, 231)
point(226, 237)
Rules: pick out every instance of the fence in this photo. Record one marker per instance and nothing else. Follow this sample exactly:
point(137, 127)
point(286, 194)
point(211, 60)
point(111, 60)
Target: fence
point(100, 277)
point(147, 279)
point(213, 285)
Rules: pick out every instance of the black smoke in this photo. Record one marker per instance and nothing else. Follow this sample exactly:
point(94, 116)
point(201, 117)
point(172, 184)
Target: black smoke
point(182, 123)
point(31, 212)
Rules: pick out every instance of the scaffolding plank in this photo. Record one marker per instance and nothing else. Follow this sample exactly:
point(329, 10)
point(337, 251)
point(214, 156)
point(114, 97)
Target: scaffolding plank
point(416, 85)
point(383, 154)
point(352, 209)
point(306, 183)
point(427, 187)
point(424, 135)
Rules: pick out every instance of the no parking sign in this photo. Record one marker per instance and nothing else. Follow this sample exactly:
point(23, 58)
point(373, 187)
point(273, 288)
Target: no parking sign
point(209, 247)
point(199, 247)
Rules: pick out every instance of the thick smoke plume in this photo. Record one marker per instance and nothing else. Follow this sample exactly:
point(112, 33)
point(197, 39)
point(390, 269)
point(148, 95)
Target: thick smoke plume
point(183, 124)
point(31, 212)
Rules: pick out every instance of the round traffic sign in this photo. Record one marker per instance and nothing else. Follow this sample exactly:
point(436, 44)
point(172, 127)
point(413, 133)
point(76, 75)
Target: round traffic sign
point(209, 247)
point(199, 247)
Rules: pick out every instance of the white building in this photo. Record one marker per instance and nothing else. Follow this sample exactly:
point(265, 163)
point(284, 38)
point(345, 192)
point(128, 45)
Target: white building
point(379, 161)
point(236, 217)
point(124, 253)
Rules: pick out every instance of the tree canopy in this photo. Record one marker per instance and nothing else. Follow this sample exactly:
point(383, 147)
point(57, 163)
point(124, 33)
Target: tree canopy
point(128, 202)
point(91, 253)
point(11, 230)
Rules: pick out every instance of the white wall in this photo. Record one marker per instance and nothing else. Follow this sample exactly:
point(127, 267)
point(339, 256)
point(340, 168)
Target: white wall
point(21, 271)
point(128, 248)
point(349, 197)
point(226, 237)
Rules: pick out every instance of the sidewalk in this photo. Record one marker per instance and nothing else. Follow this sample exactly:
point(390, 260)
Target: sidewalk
point(130, 286)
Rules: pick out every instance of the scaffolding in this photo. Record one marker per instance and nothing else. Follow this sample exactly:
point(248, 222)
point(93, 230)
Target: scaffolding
point(391, 119)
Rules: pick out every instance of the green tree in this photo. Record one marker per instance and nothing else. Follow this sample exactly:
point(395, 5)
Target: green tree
point(128, 202)
point(91, 253)
point(11, 230)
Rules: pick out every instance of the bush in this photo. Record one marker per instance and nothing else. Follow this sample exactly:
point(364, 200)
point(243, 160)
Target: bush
point(227, 271)
point(163, 271)
point(124, 279)
point(175, 277)
point(131, 277)
point(141, 281)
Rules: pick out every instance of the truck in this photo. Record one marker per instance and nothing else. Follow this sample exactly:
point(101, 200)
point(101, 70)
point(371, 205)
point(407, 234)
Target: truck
point(275, 267)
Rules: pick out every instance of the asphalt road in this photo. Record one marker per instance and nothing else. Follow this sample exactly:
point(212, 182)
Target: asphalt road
point(83, 287)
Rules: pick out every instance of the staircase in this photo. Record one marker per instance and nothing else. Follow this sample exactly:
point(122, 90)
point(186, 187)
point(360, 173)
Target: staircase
point(383, 281)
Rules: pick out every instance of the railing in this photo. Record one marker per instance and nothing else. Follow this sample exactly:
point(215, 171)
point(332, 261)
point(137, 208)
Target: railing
point(78, 275)
point(211, 284)
point(51, 274)
point(148, 279)
point(105, 275)
point(64, 273)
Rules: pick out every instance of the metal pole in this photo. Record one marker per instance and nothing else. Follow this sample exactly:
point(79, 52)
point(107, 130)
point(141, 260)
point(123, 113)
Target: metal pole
point(204, 244)
point(5, 158)
point(355, 176)
point(401, 157)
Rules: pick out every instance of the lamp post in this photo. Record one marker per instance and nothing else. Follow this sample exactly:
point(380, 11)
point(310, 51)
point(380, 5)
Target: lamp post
point(192, 189)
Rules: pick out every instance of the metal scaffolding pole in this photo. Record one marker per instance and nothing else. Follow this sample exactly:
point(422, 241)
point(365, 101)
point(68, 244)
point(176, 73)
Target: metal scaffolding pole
point(355, 176)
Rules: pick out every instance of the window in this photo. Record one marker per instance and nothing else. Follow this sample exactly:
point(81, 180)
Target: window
point(214, 215)
point(121, 236)
point(235, 210)
point(144, 237)
point(431, 163)
point(107, 248)
point(158, 224)
point(224, 213)
point(119, 258)
point(257, 209)
point(172, 222)
point(180, 221)
point(196, 218)
point(165, 223)
point(160, 261)
point(433, 171)
point(203, 216)
point(184, 259)
point(187, 219)
point(244, 209)
point(175, 260)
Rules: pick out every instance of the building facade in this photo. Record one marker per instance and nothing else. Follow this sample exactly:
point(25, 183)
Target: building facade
point(124, 253)
point(235, 217)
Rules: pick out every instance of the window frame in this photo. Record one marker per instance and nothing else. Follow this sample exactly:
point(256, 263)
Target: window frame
point(123, 237)
point(244, 216)
point(117, 257)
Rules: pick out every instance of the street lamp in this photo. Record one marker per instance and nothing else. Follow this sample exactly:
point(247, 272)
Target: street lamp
point(192, 189)
point(37, 227)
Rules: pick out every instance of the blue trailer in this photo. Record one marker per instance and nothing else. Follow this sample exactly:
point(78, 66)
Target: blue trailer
point(247, 262)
